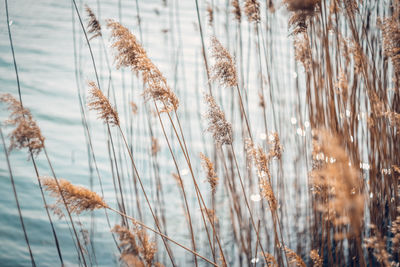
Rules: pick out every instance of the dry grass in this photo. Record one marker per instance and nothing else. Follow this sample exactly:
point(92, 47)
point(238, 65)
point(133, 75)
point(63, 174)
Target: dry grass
point(332, 195)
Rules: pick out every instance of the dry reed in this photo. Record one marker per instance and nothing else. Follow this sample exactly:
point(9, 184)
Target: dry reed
point(218, 126)
point(100, 103)
point(26, 133)
point(131, 54)
point(77, 198)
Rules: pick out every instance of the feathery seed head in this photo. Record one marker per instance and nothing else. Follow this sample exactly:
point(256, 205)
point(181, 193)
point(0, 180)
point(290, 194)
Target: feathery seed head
point(135, 245)
point(236, 10)
point(26, 133)
point(224, 69)
point(268, 193)
point(100, 103)
point(220, 128)
point(252, 10)
point(208, 166)
point(77, 198)
point(317, 261)
point(130, 53)
point(93, 26)
point(294, 259)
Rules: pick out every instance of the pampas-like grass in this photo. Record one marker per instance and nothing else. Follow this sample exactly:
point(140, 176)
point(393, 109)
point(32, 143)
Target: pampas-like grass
point(26, 133)
point(130, 53)
point(302, 11)
point(77, 198)
point(224, 70)
point(294, 259)
point(93, 26)
point(317, 261)
point(137, 249)
point(270, 260)
point(100, 103)
point(236, 10)
point(220, 128)
point(252, 10)
point(208, 167)
point(339, 181)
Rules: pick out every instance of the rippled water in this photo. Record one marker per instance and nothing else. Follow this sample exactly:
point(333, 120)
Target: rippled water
point(43, 36)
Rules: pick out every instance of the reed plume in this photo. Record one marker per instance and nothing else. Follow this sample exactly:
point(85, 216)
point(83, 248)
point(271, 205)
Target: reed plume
point(377, 244)
point(261, 161)
point(210, 13)
point(340, 181)
point(218, 126)
point(130, 53)
point(155, 147)
point(317, 261)
point(224, 69)
point(268, 193)
point(137, 249)
point(236, 10)
point(134, 108)
point(26, 133)
point(77, 198)
point(128, 244)
point(100, 103)
point(302, 11)
point(93, 26)
point(276, 148)
point(294, 259)
point(270, 260)
point(302, 50)
point(259, 158)
point(208, 166)
point(252, 10)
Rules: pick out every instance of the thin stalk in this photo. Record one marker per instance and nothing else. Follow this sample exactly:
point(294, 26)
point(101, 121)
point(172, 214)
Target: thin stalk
point(21, 219)
point(145, 195)
point(163, 236)
point(66, 207)
point(20, 100)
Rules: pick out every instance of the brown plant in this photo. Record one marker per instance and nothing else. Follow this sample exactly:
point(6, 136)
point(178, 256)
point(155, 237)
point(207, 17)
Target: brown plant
point(100, 103)
point(294, 259)
point(212, 177)
point(317, 261)
point(26, 133)
point(236, 10)
point(131, 54)
point(77, 198)
point(137, 249)
point(93, 25)
point(252, 10)
point(220, 128)
point(224, 69)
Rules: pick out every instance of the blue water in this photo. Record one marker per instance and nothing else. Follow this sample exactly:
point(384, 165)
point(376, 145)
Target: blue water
point(43, 36)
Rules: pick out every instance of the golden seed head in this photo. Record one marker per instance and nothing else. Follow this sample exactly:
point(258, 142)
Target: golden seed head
point(252, 10)
point(130, 53)
point(100, 103)
point(236, 10)
point(93, 26)
point(224, 70)
point(208, 166)
point(136, 246)
point(220, 128)
point(77, 198)
point(26, 133)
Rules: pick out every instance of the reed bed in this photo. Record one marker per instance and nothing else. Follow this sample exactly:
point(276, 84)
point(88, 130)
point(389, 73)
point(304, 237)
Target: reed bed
point(276, 155)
